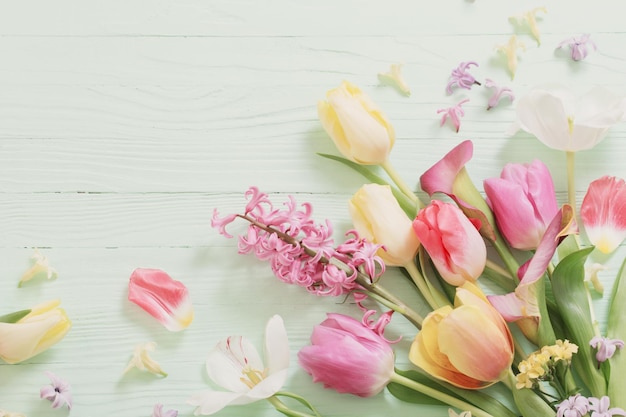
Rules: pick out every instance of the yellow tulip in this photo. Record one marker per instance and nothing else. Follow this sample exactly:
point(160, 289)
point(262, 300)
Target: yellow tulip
point(378, 218)
point(359, 129)
point(43, 327)
point(469, 346)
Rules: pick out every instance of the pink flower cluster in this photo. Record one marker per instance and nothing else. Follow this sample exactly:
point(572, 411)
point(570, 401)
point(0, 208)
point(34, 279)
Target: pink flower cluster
point(299, 250)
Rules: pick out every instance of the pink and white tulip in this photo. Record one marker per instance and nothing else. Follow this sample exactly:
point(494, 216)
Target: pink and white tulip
point(348, 357)
point(523, 202)
point(452, 241)
point(603, 213)
point(164, 298)
point(235, 365)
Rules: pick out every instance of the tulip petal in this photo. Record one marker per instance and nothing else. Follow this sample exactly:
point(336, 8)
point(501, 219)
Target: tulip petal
point(162, 297)
point(276, 345)
point(228, 360)
point(440, 177)
point(485, 354)
point(210, 402)
point(603, 212)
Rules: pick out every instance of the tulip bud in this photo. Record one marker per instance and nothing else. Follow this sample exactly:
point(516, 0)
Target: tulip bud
point(164, 298)
point(523, 202)
point(469, 346)
point(452, 241)
point(347, 356)
point(43, 327)
point(359, 129)
point(378, 218)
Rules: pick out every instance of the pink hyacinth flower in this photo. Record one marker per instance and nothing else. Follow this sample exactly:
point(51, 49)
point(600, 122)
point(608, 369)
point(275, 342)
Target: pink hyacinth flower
point(454, 113)
point(164, 298)
point(499, 93)
point(523, 202)
point(461, 77)
point(603, 213)
point(452, 241)
point(579, 46)
point(348, 357)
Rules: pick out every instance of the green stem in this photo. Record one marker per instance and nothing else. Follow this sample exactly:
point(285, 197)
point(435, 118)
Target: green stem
point(433, 296)
point(282, 408)
point(571, 183)
point(438, 395)
point(395, 177)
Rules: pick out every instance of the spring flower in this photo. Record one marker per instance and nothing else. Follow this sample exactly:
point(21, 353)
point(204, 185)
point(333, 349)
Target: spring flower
point(574, 406)
point(452, 413)
point(540, 365)
point(578, 46)
point(454, 113)
point(235, 365)
point(44, 326)
point(59, 392)
point(378, 218)
point(461, 77)
point(523, 202)
point(158, 412)
point(603, 212)
point(562, 121)
point(522, 306)
point(40, 266)
point(498, 94)
point(469, 346)
point(394, 77)
point(529, 19)
point(299, 250)
point(142, 361)
point(348, 357)
point(162, 297)
point(606, 347)
point(357, 126)
point(452, 241)
point(509, 50)
point(599, 407)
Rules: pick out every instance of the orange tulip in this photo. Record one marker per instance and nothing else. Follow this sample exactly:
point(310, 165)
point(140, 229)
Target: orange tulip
point(469, 346)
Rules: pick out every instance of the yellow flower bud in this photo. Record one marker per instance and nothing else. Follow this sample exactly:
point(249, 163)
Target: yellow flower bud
point(43, 327)
point(359, 129)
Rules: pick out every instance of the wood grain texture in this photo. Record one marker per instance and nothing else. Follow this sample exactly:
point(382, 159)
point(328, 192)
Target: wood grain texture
point(124, 124)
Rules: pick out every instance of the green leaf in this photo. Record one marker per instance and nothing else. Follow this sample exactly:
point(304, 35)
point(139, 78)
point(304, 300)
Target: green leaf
point(411, 396)
point(407, 205)
point(478, 398)
point(571, 296)
point(14, 317)
point(615, 329)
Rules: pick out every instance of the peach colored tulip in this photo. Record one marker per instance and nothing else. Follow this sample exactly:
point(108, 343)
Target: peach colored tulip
point(469, 346)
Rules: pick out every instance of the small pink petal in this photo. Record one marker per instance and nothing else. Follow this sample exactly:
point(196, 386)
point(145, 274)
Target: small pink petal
point(164, 298)
point(440, 177)
point(603, 213)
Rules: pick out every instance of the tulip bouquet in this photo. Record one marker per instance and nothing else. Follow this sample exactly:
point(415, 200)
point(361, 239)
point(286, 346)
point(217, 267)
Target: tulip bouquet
point(505, 273)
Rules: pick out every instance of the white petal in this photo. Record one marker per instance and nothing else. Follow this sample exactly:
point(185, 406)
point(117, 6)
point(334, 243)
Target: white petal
point(599, 108)
point(543, 115)
point(268, 387)
point(276, 345)
point(227, 361)
point(210, 402)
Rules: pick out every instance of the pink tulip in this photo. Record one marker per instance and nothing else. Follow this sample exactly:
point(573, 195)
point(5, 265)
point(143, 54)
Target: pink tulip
point(603, 213)
point(164, 298)
point(348, 357)
point(452, 241)
point(523, 203)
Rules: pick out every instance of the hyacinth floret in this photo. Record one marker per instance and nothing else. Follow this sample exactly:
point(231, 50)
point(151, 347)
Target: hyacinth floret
point(299, 250)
